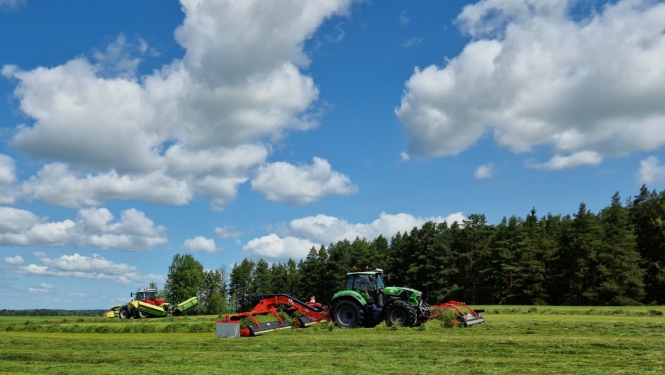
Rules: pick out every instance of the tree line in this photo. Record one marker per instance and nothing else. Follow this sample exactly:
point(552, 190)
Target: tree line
point(613, 257)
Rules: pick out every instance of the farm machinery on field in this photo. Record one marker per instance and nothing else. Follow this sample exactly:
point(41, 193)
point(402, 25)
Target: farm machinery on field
point(365, 302)
point(145, 304)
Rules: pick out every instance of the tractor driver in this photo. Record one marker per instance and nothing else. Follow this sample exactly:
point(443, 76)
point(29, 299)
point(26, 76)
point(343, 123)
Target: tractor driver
point(365, 287)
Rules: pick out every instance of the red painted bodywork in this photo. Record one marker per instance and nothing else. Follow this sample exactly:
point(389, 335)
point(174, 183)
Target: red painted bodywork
point(269, 306)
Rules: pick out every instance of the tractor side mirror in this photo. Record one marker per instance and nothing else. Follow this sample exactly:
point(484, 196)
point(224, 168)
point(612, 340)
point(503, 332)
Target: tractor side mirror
point(131, 294)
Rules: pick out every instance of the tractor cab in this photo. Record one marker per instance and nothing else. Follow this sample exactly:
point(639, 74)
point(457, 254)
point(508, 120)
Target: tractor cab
point(369, 284)
point(147, 296)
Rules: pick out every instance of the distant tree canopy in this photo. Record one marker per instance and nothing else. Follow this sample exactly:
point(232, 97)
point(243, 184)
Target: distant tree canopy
point(613, 257)
point(185, 278)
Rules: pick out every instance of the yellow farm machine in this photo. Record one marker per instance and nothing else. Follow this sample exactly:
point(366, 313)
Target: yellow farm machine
point(145, 304)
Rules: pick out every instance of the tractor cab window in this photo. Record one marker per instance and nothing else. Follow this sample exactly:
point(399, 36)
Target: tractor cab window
point(363, 284)
point(349, 283)
point(150, 296)
point(140, 296)
point(379, 282)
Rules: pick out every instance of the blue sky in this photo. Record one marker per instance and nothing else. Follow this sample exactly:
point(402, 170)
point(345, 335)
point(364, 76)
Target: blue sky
point(132, 131)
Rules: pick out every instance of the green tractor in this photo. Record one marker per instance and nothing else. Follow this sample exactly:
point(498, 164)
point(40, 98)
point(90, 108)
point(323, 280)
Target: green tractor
point(367, 302)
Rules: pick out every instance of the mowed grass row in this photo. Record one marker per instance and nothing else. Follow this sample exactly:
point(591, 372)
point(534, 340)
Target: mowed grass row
point(194, 324)
point(505, 344)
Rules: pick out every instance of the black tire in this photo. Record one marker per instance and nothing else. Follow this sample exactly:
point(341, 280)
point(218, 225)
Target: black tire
point(401, 314)
point(142, 315)
point(348, 314)
point(124, 313)
point(423, 317)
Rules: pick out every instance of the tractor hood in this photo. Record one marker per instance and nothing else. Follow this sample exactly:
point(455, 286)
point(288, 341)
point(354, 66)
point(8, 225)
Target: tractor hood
point(397, 290)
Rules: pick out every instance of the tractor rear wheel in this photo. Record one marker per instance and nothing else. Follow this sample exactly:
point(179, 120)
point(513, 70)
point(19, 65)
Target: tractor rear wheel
point(124, 313)
point(348, 314)
point(401, 314)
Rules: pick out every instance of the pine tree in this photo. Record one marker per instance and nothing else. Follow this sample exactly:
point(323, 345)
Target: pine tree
point(213, 293)
point(312, 271)
point(293, 287)
point(240, 285)
point(378, 252)
point(474, 258)
point(261, 280)
point(586, 247)
point(539, 246)
point(557, 258)
point(278, 276)
point(504, 275)
point(621, 279)
point(647, 215)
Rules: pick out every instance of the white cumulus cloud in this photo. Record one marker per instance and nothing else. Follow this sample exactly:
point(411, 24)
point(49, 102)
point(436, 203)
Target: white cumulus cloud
point(7, 170)
point(573, 160)
point(93, 227)
point(534, 76)
point(228, 233)
point(16, 260)
point(298, 185)
point(325, 229)
point(651, 171)
point(301, 234)
point(198, 125)
point(9, 191)
point(134, 231)
point(94, 267)
point(274, 247)
point(10, 3)
point(23, 228)
point(484, 171)
point(200, 243)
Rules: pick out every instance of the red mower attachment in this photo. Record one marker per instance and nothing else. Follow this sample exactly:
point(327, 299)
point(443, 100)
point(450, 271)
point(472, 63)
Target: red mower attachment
point(267, 306)
point(464, 314)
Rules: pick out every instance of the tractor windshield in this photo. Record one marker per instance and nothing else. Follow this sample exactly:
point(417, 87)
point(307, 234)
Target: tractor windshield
point(363, 284)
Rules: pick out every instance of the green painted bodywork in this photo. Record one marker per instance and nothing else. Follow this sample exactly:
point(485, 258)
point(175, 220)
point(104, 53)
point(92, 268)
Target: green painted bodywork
point(184, 306)
point(397, 291)
point(350, 293)
point(394, 291)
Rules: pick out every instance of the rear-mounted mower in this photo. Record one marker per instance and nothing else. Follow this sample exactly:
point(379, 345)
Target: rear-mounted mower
point(463, 313)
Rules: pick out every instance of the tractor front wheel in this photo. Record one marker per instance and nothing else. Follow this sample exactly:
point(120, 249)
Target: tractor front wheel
point(124, 313)
point(142, 315)
point(401, 314)
point(347, 314)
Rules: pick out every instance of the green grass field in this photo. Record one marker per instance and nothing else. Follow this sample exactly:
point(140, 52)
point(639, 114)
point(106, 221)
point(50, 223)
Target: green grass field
point(513, 340)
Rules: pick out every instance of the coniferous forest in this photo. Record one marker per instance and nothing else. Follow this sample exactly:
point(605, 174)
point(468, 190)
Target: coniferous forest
point(612, 257)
